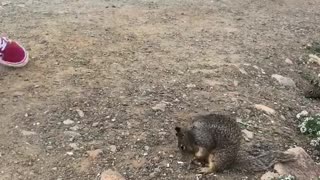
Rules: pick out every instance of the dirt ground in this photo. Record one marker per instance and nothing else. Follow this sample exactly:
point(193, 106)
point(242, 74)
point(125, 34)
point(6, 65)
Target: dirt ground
point(98, 67)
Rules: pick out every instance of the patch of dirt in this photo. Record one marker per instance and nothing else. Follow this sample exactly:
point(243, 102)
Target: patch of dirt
point(115, 60)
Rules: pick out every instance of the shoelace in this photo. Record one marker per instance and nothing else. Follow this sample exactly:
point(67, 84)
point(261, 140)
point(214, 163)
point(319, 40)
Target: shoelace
point(3, 44)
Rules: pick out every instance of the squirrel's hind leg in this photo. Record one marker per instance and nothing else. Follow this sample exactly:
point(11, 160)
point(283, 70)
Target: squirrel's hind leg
point(219, 160)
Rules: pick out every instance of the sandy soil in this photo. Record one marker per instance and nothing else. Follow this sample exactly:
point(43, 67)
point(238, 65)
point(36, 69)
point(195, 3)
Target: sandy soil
point(98, 67)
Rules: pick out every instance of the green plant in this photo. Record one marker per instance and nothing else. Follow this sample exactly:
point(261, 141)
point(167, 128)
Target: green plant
point(311, 126)
point(286, 177)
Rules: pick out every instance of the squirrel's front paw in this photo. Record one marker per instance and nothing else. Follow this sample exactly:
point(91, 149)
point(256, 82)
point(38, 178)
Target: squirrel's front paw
point(206, 170)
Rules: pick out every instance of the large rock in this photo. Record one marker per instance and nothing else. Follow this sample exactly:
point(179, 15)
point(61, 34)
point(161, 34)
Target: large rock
point(285, 81)
point(111, 175)
point(269, 176)
point(303, 168)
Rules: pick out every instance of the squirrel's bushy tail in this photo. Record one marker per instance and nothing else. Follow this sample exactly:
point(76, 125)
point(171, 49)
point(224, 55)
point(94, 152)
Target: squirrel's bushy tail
point(248, 163)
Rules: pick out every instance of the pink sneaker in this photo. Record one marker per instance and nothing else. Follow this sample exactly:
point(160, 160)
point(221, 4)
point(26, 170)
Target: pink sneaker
point(12, 53)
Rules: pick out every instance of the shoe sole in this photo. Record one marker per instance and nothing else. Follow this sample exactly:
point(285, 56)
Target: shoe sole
point(17, 64)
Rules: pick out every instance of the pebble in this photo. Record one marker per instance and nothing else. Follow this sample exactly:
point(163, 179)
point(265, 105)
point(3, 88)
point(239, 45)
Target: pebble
point(28, 133)
point(72, 133)
point(248, 135)
point(95, 124)
point(160, 107)
point(191, 86)
point(264, 108)
point(80, 113)
point(69, 153)
point(285, 81)
point(21, 5)
point(94, 153)
point(5, 3)
point(75, 128)
point(111, 175)
point(152, 175)
point(68, 122)
point(113, 148)
point(74, 146)
point(146, 148)
point(288, 61)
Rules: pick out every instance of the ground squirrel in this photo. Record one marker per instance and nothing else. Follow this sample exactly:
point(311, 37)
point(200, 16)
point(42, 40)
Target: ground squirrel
point(215, 140)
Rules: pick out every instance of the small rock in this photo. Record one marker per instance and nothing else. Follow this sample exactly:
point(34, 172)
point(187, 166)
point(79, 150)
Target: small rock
point(139, 163)
point(269, 176)
point(111, 175)
point(191, 86)
point(80, 113)
point(302, 114)
point(160, 107)
point(21, 5)
point(95, 124)
point(28, 133)
point(288, 61)
point(302, 168)
point(248, 135)
point(265, 109)
point(5, 3)
point(152, 175)
point(113, 148)
point(243, 71)
point(72, 133)
point(146, 148)
point(235, 83)
point(285, 81)
point(74, 146)
point(94, 154)
point(17, 93)
point(75, 128)
point(69, 153)
point(68, 122)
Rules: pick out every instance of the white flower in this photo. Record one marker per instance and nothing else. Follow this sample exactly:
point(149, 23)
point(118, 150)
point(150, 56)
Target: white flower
point(303, 124)
point(310, 130)
point(314, 143)
point(303, 129)
point(308, 119)
point(318, 122)
point(318, 133)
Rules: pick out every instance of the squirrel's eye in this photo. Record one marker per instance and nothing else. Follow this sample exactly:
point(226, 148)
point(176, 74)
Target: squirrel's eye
point(182, 147)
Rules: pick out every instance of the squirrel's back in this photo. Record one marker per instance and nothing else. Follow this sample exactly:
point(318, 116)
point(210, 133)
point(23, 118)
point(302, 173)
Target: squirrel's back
point(216, 131)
